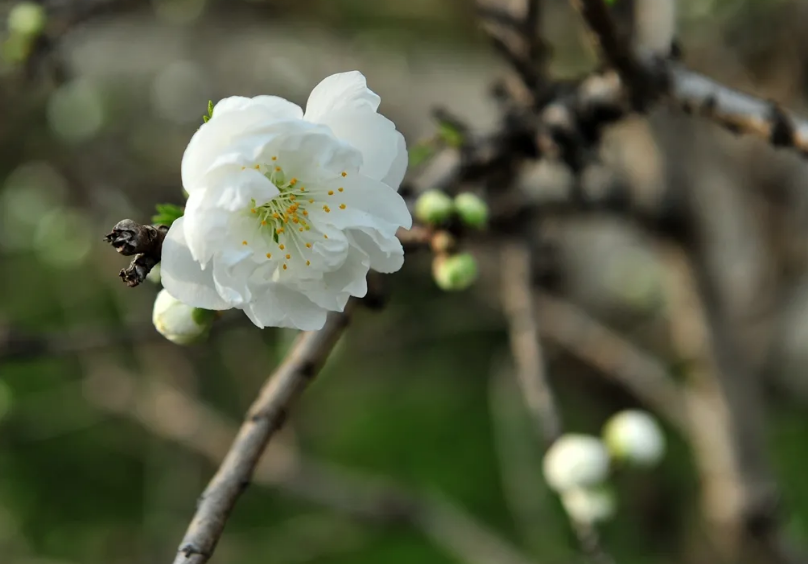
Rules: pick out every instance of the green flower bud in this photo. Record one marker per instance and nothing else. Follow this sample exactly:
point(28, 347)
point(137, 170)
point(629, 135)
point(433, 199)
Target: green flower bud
point(633, 436)
point(456, 272)
point(433, 206)
point(27, 18)
point(473, 211)
point(178, 322)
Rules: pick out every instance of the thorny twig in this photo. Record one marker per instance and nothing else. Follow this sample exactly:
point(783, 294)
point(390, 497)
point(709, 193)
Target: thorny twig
point(266, 416)
point(361, 497)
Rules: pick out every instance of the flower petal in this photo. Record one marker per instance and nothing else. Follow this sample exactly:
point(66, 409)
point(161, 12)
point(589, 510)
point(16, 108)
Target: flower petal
point(385, 253)
point(368, 203)
point(273, 106)
point(340, 91)
point(183, 277)
point(376, 138)
point(280, 306)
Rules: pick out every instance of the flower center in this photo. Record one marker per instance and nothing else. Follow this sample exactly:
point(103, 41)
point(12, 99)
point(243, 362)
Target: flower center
point(285, 225)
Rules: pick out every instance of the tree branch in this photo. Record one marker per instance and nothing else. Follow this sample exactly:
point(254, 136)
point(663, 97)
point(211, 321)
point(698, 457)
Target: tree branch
point(265, 417)
point(358, 496)
point(639, 372)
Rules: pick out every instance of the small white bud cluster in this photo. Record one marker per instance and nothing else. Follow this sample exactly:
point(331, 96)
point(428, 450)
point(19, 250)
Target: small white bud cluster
point(577, 466)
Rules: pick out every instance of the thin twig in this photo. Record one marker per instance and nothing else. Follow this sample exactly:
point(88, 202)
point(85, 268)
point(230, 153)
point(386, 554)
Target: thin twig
point(361, 497)
point(523, 330)
point(639, 372)
point(517, 302)
point(265, 417)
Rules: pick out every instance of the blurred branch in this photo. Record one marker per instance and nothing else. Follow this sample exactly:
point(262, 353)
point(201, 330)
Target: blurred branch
point(739, 495)
point(517, 300)
point(639, 372)
point(360, 497)
point(264, 418)
point(647, 77)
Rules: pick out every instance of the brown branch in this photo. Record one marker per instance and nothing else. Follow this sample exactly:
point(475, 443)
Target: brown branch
point(523, 331)
point(517, 302)
point(265, 417)
point(639, 372)
point(365, 498)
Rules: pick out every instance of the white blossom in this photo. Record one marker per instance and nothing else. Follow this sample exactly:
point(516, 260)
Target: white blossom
point(287, 211)
point(179, 322)
point(589, 505)
point(634, 436)
point(576, 461)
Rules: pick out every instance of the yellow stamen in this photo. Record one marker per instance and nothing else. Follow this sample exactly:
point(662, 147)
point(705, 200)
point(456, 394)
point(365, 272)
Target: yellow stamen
point(305, 212)
point(256, 167)
point(244, 242)
point(330, 192)
point(288, 257)
point(325, 236)
point(293, 182)
point(344, 174)
point(340, 189)
point(342, 206)
point(269, 255)
point(284, 267)
point(253, 210)
point(274, 158)
point(302, 188)
point(263, 222)
point(308, 262)
point(308, 245)
point(280, 230)
point(277, 169)
point(281, 247)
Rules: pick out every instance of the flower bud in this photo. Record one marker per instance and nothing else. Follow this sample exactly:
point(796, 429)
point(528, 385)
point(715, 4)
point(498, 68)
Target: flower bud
point(433, 206)
point(154, 274)
point(178, 322)
point(634, 436)
point(589, 505)
point(576, 461)
point(473, 211)
point(456, 272)
point(27, 19)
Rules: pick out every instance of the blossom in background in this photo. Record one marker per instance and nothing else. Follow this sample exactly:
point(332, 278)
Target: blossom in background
point(576, 461)
point(634, 436)
point(589, 505)
point(287, 211)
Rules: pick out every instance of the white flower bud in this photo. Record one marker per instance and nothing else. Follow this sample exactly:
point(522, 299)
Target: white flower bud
point(456, 272)
point(154, 274)
point(634, 436)
point(473, 211)
point(180, 323)
point(576, 461)
point(589, 505)
point(433, 206)
point(27, 18)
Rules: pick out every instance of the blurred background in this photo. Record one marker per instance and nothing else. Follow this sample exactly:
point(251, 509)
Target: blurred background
point(108, 432)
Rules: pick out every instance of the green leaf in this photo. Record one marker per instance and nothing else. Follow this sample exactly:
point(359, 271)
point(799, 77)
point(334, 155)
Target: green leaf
point(421, 152)
point(167, 214)
point(275, 236)
point(450, 134)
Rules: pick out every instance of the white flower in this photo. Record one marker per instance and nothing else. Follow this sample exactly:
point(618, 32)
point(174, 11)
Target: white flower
point(575, 461)
point(178, 322)
point(634, 436)
point(288, 211)
point(589, 505)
